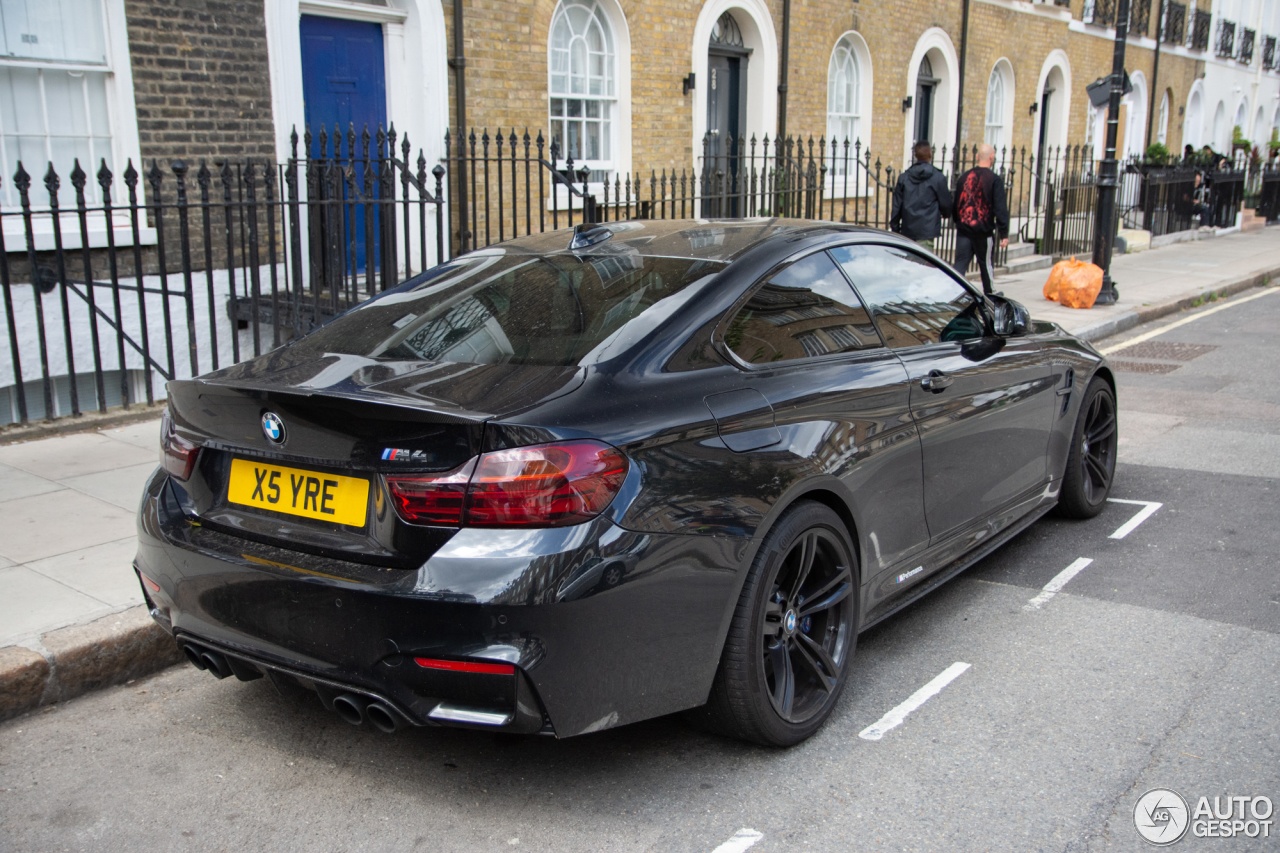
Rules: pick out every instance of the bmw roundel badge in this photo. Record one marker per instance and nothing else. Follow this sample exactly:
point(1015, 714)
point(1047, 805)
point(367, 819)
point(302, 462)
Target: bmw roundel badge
point(273, 428)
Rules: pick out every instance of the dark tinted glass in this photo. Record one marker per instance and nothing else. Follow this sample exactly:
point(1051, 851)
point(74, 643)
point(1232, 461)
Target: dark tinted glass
point(914, 300)
point(491, 308)
point(805, 309)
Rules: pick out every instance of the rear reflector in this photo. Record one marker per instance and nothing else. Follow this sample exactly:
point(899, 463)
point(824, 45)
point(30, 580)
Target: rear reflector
point(546, 485)
point(149, 583)
point(177, 455)
point(466, 666)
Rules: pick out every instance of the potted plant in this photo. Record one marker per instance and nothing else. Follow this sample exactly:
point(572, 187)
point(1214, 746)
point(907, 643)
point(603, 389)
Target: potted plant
point(1157, 154)
point(1238, 142)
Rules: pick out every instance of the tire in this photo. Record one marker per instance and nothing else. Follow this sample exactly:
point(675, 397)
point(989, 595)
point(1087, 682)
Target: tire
point(789, 647)
point(1091, 463)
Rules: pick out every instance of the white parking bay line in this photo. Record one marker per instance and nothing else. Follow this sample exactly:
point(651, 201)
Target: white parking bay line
point(743, 839)
point(894, 718)
point(1058, 582)
point(1148, 509)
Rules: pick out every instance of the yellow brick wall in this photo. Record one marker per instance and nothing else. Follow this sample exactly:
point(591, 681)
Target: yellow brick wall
point(506, 46)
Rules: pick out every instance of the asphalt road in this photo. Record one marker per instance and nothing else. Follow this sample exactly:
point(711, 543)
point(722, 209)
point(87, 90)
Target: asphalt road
point(1154, 666)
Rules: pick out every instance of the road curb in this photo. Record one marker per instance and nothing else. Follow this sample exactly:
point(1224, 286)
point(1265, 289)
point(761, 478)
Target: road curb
point(117, 416)
point(1146, 313)
point(70, 661)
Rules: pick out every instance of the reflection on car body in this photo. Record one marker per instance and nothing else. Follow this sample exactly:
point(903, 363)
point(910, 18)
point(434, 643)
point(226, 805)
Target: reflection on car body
point(676, 467)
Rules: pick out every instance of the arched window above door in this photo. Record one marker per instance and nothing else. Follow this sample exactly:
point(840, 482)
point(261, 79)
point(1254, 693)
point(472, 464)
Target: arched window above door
point(726, 32)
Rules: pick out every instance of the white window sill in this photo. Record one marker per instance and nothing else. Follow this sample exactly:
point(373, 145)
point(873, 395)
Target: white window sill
point(15, 235)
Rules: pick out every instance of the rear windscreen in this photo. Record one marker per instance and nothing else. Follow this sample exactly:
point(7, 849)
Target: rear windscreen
point(491, 307)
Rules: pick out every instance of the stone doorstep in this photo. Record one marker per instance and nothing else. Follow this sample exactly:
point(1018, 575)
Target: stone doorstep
point(74, 660)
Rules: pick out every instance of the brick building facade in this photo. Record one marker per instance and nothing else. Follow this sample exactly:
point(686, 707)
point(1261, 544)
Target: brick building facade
point(225, 80)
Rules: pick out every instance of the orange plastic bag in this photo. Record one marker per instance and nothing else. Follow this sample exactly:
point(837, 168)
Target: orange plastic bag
point(1074, 284)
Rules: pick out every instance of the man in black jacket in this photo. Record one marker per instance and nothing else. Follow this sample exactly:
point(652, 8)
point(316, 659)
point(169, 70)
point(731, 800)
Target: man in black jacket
point(981, 211)
point(920, 199)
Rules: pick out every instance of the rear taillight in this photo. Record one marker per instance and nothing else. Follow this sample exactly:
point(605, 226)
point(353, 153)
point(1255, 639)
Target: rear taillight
point(177, 455)
point(432, 499)
point(548, 485)
point(545, 486)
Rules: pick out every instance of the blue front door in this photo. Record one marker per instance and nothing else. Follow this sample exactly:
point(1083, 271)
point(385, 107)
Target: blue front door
point(343, 84)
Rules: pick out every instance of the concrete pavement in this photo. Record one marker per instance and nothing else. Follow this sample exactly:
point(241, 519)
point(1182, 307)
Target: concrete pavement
point(71, 615)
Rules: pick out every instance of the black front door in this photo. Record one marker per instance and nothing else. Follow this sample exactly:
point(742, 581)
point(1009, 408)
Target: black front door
point(926, 83)
point(1044, 124)
point(725, 126)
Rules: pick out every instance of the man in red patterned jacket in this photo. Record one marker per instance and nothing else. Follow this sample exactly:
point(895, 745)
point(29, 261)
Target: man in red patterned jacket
point(981, 211)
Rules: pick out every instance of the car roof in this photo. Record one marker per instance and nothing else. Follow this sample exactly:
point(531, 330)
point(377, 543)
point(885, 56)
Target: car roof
point(703, 239)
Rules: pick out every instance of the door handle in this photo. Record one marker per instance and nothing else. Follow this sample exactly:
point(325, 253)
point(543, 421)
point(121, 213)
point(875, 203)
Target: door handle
point(936, 381)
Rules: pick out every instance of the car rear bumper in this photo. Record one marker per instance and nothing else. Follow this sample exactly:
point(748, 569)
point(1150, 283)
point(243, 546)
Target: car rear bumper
point(603, 626)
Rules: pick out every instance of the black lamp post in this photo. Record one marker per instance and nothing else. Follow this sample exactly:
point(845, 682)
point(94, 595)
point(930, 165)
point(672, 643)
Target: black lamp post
point(1104, 237)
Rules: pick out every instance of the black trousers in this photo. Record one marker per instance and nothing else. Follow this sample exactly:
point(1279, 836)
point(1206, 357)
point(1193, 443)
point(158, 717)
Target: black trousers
point(980, 246)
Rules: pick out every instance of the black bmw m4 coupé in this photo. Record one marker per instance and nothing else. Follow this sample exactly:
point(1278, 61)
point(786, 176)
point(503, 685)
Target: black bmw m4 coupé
point(586, 478)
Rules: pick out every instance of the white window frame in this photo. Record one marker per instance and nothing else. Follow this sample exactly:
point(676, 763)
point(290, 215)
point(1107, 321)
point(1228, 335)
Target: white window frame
point(607, 100)
point(1162, 131)
point(1003, 72)
point(856, 186)
point(123, 126)
point(844, 58)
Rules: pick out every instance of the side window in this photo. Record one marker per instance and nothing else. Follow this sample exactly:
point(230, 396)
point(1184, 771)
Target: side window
point(914, 301)
point(803, 310)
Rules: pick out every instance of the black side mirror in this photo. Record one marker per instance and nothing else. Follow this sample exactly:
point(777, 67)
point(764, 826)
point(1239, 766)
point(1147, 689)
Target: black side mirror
point(1011, 318)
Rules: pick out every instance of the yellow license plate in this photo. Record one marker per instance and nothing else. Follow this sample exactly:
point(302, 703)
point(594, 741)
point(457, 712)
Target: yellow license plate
point(327, 497)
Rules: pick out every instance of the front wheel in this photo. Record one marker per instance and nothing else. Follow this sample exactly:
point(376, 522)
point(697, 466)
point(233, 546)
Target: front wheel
point(793, 633)
point(1091, 463)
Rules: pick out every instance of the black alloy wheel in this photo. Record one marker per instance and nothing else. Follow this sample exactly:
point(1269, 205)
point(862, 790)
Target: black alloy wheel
point(1091, 464)
point(793, 634)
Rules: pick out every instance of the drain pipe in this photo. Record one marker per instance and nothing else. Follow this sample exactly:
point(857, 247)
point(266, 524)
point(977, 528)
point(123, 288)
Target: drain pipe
point(964, 52)
point(1155, 77)
point(459, 65)
point(786, 65)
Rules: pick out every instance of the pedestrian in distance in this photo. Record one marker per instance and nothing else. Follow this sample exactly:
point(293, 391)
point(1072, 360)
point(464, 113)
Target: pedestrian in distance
point(920, 199)
point(981, 216)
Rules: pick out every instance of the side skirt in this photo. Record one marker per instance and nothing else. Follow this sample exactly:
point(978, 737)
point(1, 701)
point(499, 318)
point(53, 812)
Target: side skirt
point(964, 562)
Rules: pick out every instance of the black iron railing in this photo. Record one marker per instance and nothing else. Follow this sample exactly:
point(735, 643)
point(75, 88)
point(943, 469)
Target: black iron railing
point(1247, 38)
point(1175, 25)
point(1099, 12)
point(199, 268)
point(1170, 200)
point(1225, 45)
point(1269, 194)
point(1200, 30)
point(1139, 17)
point(1225, 196)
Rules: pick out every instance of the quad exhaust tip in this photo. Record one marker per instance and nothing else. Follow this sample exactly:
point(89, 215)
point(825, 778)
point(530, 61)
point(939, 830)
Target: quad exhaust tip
point(351, 707)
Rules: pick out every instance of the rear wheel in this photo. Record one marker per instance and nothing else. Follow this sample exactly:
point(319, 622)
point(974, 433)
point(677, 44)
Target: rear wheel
point(793, 633)
point(1091, 464)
